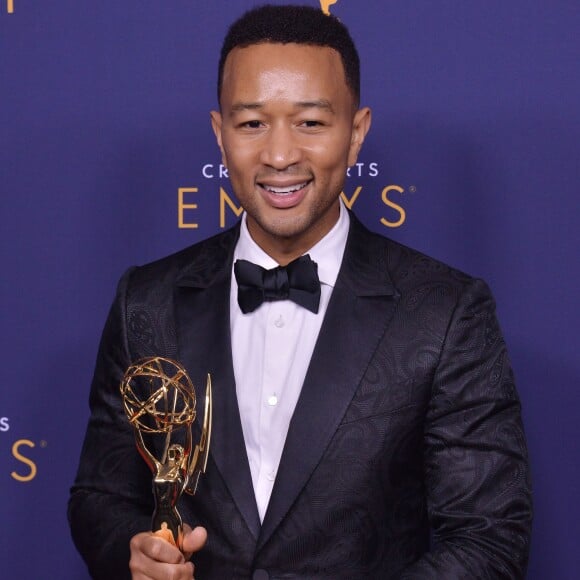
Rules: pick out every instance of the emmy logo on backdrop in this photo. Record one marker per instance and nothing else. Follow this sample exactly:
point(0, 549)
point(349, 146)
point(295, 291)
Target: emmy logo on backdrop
point(159, 401)
point(326, 4)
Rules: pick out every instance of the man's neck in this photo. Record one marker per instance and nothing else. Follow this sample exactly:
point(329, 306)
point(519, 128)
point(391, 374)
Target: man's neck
point(286, 249)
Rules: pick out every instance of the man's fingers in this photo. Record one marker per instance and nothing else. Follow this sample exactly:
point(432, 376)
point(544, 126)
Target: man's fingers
point(161, 571)
point(154, 558)
point(193, 540)
point(156, 548)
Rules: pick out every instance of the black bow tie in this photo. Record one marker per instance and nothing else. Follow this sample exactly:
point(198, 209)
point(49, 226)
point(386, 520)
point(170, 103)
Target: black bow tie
point(298, 281)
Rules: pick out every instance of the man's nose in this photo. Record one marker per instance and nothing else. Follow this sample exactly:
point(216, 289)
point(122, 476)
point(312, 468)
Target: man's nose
point(281, 148)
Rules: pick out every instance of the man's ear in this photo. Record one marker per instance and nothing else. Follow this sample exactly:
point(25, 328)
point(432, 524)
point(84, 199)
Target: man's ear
point(361, 124)
point(216, 125)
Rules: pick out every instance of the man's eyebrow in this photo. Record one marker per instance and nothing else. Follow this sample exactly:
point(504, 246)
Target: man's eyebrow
point(238, 107)
point(318, 104)
point(255, 106)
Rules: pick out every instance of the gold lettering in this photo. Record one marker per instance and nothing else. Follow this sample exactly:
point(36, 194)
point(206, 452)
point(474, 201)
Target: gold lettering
point(17, 455)
point(350, 202)
point(181, 206)
point(326, 4)
point(395, 206)
point(226, 199)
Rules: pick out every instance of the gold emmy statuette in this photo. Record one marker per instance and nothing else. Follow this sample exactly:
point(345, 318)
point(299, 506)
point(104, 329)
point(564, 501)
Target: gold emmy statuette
point(159, 401)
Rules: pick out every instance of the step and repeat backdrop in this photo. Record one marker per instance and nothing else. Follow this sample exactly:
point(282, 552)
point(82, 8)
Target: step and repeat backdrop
point(107, 159)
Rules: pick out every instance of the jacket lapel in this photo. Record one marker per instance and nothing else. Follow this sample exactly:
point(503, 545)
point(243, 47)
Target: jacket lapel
point(360, 308)
point(203, 327)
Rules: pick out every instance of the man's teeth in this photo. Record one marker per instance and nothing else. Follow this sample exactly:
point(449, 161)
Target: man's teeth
point(285, 190)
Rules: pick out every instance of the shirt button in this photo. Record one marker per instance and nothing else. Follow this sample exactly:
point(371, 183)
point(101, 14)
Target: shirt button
point(279, 322)
point(272, 400)
point(271, 475)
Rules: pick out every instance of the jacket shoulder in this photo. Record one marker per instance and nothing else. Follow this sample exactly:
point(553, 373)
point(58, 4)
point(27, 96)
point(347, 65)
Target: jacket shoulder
point(406, 267)
point(204, 260)
point(146, 295)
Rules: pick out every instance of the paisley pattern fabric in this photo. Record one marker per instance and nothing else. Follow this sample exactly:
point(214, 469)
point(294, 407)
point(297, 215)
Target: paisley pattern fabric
point(405, 457)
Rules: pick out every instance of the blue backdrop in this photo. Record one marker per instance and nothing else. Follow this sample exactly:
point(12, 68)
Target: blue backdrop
point(105, 144)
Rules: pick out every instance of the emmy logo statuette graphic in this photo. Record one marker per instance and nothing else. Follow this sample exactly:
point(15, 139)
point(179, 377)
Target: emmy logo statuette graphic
point(159, 400)
point(326, 4)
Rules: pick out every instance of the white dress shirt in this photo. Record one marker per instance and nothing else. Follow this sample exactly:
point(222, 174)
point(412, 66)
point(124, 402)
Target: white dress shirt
point(271, 349)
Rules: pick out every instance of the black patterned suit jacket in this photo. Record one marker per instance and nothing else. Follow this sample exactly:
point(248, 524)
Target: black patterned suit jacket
point(405, 457)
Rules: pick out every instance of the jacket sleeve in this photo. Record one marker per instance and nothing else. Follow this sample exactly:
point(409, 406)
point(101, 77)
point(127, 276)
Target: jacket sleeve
point(475, 458)
point(111, 498)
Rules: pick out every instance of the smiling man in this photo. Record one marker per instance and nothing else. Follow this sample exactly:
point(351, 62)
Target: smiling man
point(366, 424)
point(288, 128)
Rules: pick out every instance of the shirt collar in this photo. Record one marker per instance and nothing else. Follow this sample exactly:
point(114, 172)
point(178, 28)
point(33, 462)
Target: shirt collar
point(327, 253)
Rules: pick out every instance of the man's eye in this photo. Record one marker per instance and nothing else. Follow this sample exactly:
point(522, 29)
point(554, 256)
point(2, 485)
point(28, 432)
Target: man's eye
point(312, 123)
point(251, 124)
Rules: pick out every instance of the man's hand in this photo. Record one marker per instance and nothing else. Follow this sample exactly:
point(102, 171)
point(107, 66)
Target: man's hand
point(153, 558)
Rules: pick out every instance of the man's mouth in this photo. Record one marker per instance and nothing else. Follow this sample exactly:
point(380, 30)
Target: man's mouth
point(285, 190)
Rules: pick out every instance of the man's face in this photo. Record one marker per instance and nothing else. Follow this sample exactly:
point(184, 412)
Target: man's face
point(288, 129)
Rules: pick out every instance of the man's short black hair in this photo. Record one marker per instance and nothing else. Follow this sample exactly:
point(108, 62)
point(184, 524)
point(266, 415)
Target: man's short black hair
point(293, 24)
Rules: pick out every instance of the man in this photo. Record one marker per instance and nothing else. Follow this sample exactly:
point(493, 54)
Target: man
point(371, 431)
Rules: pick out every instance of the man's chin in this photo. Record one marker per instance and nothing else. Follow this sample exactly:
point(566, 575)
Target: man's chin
point(282, 229)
